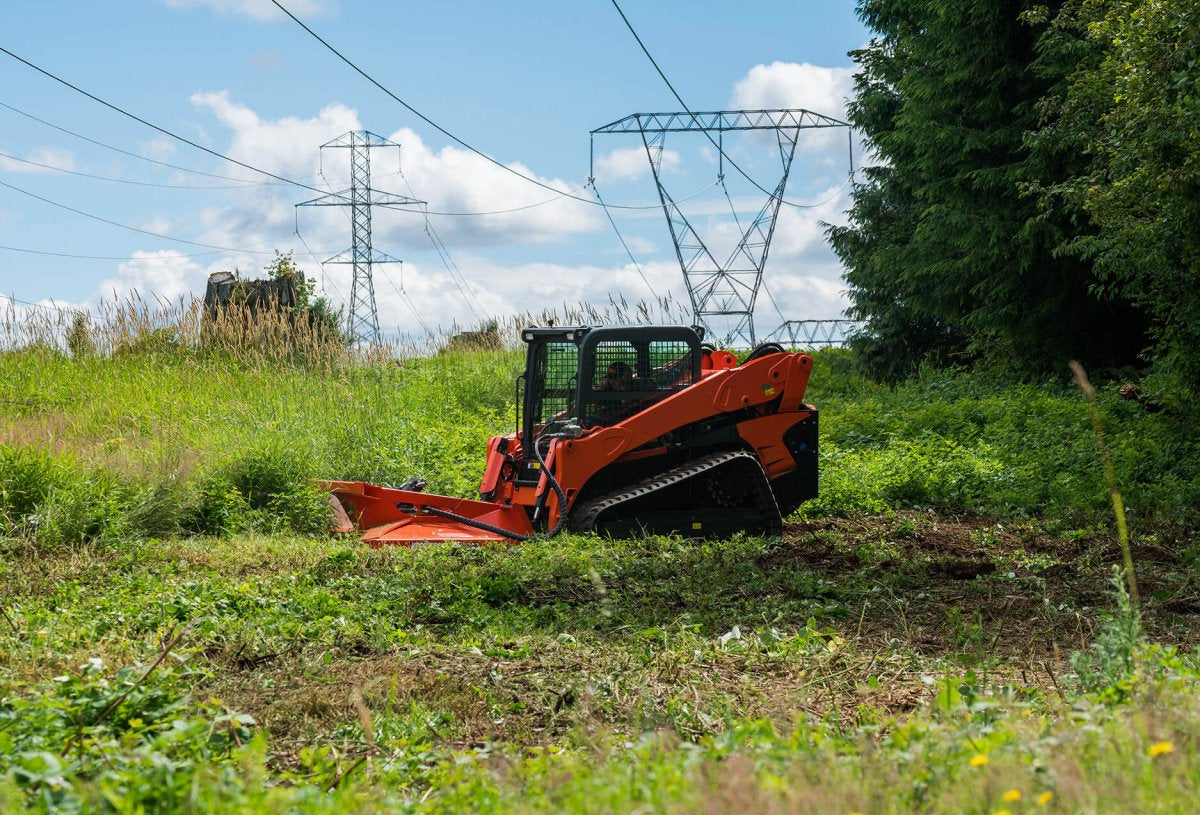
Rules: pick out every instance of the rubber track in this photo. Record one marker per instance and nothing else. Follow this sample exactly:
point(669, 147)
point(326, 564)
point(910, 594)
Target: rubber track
point(583, 518)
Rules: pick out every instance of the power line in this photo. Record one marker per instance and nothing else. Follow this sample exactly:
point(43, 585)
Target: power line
point(55, 309)
point(455, 273)
point(558, 197)
point(133, 155)
point(439, 128)
point(444, 255)
point(129, 181)
point(95, 217)
point(679, 99)
point(559, 194)
point(621, 238)
point(153, 126)
point(26, 251)
point(404, 296)
point(771, 297)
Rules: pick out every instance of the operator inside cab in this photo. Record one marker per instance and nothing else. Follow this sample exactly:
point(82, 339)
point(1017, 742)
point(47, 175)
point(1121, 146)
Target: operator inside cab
point(618, 378)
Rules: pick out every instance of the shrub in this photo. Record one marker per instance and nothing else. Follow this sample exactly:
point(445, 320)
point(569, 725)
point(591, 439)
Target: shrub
point(267, 489)
point(27, 476)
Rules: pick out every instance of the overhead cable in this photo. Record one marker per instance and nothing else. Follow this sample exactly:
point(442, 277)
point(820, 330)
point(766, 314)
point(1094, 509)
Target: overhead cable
point(688, 110)
point(43, 307)
point(444, 255)
point(107, 146)
point(441, 129)
point(559, 194)
point(27, 251)
point(621, 238)
point(102, 219)
point(153, 126)
point(130, 181)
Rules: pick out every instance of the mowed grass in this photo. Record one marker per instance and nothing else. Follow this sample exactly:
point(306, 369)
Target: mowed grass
point(178, 635)
point(585, 675)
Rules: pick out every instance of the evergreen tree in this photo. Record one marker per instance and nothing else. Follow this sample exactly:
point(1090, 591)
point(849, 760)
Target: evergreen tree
point(947, 251)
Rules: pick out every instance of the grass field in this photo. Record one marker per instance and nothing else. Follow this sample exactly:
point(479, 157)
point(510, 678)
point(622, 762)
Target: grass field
point(939, 632)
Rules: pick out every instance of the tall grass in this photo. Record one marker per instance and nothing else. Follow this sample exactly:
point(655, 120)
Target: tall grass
point(178, 426)
point(136, 324)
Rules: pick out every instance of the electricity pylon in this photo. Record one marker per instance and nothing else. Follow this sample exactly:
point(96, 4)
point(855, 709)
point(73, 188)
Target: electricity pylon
point(725, 290)
point(814, 333)
point(363, 318)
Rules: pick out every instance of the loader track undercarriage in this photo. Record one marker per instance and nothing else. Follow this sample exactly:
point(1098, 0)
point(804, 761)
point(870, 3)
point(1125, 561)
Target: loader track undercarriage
point(713, 495)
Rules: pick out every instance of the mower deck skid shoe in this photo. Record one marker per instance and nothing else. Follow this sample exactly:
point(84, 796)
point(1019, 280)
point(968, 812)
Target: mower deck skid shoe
point(391, 517)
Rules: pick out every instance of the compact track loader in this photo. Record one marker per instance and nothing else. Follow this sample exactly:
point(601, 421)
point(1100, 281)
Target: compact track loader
point(623, 430)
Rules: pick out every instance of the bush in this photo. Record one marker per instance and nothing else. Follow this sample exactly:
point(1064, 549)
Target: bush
point(27, 476)
point(268, 489)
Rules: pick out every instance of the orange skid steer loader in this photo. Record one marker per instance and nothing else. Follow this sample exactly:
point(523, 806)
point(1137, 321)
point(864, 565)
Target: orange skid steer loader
point(623, 430)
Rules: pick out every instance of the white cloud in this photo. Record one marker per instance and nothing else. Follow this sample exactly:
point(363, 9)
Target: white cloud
point(157, 224)
point(255, 9)
point(800, 232)
point(800, 85)
point(286, 146)
point(262, 218)
point(160, 148)
point(454, 180)
point(795, 85)
point(631, 163)
point(165, 274)
point(802, 272)
point(52, 157)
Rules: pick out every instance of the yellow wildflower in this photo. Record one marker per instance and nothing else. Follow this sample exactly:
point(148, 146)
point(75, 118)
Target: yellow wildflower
point(1045, 798)
point(1011, 797)
point(1160, 748)
point(979, 760)
point(1002, 812)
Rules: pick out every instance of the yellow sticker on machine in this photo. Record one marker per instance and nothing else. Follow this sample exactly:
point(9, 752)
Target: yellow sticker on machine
point(695, 524)
point(768, 390)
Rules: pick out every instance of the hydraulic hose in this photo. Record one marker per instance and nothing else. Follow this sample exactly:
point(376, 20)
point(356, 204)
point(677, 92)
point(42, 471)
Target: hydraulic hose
point(562, 497)
point(499, 530)
point(486, 527)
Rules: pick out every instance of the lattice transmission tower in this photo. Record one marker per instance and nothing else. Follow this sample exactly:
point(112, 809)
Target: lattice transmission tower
point(722, 292)
point(815, 333)
point(363, 317)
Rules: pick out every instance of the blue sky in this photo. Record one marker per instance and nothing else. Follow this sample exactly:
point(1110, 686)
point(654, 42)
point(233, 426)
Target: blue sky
point(524, 82)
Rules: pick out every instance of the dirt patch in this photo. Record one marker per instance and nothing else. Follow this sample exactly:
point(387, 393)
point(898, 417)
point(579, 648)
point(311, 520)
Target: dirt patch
point(963, 584)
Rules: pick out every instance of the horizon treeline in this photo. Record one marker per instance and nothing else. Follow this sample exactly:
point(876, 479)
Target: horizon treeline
point(1036, 191)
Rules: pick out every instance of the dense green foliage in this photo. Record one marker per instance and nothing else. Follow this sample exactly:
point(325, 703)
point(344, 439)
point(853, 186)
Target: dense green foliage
point(159, 445)
point(1035, 194)
point(1132, 107)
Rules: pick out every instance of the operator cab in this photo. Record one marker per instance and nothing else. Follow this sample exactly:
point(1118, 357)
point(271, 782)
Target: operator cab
point(602, 376)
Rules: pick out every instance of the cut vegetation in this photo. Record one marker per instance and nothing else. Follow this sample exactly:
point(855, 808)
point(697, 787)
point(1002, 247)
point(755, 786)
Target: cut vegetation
point(938, 631)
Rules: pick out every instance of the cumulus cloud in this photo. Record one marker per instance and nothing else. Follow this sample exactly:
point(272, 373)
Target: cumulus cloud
point(262, 218)
point(166, 274)
point(513, 210)
point(510, 210)
point(795, 85)
point(50, 158)
point(262, 10)
point(802, 273)
point(631, 163)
